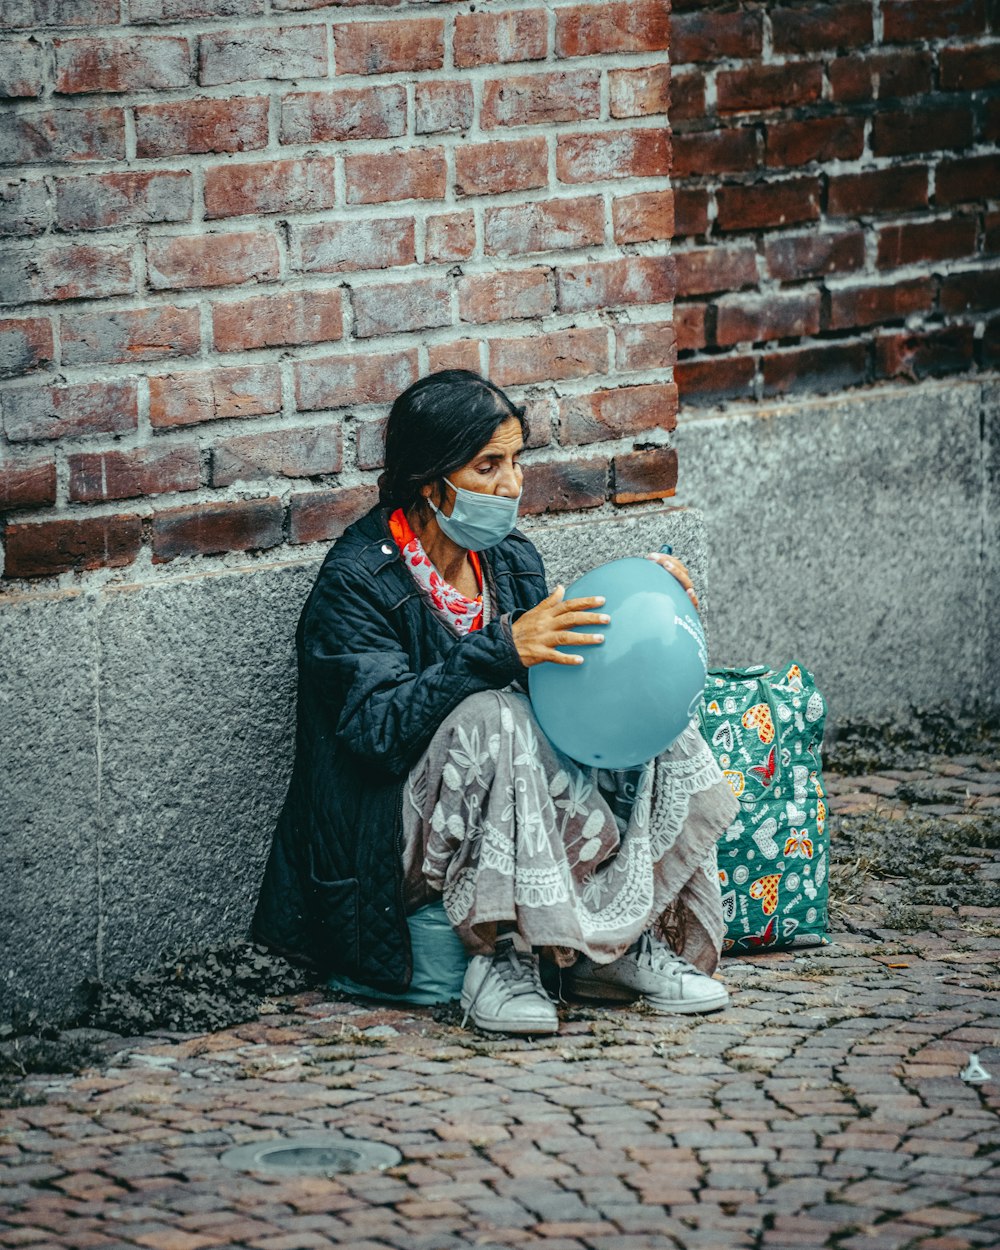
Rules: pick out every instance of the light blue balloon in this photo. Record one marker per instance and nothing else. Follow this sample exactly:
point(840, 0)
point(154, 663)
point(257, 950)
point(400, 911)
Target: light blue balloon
point(636, 692)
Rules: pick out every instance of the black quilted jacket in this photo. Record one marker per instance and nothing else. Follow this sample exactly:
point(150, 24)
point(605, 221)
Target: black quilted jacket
point(379, 670)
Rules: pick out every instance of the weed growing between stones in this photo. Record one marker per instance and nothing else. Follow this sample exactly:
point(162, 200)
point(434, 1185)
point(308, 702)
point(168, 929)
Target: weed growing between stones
point(931, 860)
point(199, 991)
point(862, 747)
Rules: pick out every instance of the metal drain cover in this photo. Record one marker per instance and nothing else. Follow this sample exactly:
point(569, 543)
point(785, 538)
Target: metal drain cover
point(315, 1154)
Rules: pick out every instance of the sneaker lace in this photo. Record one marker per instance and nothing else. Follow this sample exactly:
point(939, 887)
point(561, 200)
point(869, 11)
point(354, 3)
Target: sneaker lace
point(517, 970)
point(661, 958)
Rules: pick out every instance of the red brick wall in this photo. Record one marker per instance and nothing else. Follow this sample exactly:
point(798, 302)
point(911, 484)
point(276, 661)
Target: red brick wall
point(229, 241)
point(837, 193)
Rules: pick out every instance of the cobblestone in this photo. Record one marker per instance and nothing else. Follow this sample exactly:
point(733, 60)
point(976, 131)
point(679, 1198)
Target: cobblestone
point(822, 1109)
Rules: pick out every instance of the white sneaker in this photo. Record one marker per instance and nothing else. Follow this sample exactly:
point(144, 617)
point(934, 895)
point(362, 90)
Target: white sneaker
point(650, 970)
point(503, 993)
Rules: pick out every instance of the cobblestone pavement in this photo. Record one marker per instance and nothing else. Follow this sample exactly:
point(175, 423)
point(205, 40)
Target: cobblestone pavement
point(822, 1109)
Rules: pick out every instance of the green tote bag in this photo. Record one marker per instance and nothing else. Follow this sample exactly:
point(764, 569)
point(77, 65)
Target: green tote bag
point(765, 728)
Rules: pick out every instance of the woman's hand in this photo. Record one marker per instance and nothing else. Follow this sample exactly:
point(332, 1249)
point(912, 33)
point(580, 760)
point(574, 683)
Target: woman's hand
point(674, 566)
point(543, 628)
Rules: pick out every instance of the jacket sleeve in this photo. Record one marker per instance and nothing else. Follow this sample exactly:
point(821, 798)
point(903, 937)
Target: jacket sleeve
point(388, 714)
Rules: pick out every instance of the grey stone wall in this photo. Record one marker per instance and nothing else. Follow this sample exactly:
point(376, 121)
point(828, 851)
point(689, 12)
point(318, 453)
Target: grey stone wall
point(860, 536)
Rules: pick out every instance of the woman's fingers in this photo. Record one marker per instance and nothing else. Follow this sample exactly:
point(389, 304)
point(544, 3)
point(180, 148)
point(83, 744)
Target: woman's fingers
point(676, 569)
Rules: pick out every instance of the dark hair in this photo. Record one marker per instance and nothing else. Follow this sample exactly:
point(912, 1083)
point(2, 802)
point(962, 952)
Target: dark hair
point(437, 425)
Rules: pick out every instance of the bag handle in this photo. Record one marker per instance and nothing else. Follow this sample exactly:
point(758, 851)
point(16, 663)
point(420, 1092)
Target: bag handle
point(765, 695)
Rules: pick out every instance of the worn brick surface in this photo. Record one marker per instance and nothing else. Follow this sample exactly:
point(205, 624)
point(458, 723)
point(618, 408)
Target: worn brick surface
point(823, 1109)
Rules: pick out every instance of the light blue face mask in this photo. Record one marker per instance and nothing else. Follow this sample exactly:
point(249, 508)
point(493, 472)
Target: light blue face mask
point(477, 521)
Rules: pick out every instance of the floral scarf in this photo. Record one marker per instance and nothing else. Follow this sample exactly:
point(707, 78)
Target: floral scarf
point(465, 614)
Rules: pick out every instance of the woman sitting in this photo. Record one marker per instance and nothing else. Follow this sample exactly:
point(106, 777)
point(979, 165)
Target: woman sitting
point(421, 773)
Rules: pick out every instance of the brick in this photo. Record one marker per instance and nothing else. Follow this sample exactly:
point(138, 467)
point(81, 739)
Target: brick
point(74, 411)
point(548, 357)
point(565, 485)
point(754, 318)
point(974, 178)
point(192, 127)
point(21, 70)
point(690, 211)
point(293, 186)
point(177, 399)
point(687, 97)
point(212, 528)
point(974, 291)
point(389, 47)
point(617, 283)
point(709, 36)
point(450, 236)
point(970, 68)
point(322, 515)
point(728, 150)
point(690, 326)
point(337, 116)
point(134, 334)
point(114, 65)
point(642, 475)
point(831, 367)
point(870, 304)
point(821, 139)
point(62, 135)
point(306, 451)
point(921, 130)
point(358, 243)
point(925, 353)
point(27, 484)
point(500, 38)
point(885, 76)
point(643, 217)
point(337, 381)
point(613, 26)
point(460, 354)
point(108, 201)
point(188, 10)
point(817, 27)
point(541, 99)
point(369, 438)
point(641, 92)
point(25, 208)
point(905, 21)
point(25, 343)
point(793, 257)
point(443, 106)
point(45, 548)
point(61, 13)
point(492, 168)
point(990, 345)
point(67, 271)
point(878, 191)
point(261, 53)
point(287, 319)
point(991, 232)
point(393, 308)
point(515, 229)
point(648, 344)
point(212, 260)
point(613, 154)
point(618, 413)
point(506, 296)
point(776, 203)
point(762, 87)
point(132, 474)
point(715, 269)
point(713, 379)
point(411, 174)
point(916, 242)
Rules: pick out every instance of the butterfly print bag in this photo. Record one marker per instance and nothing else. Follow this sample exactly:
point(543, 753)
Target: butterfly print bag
point(765, 728)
